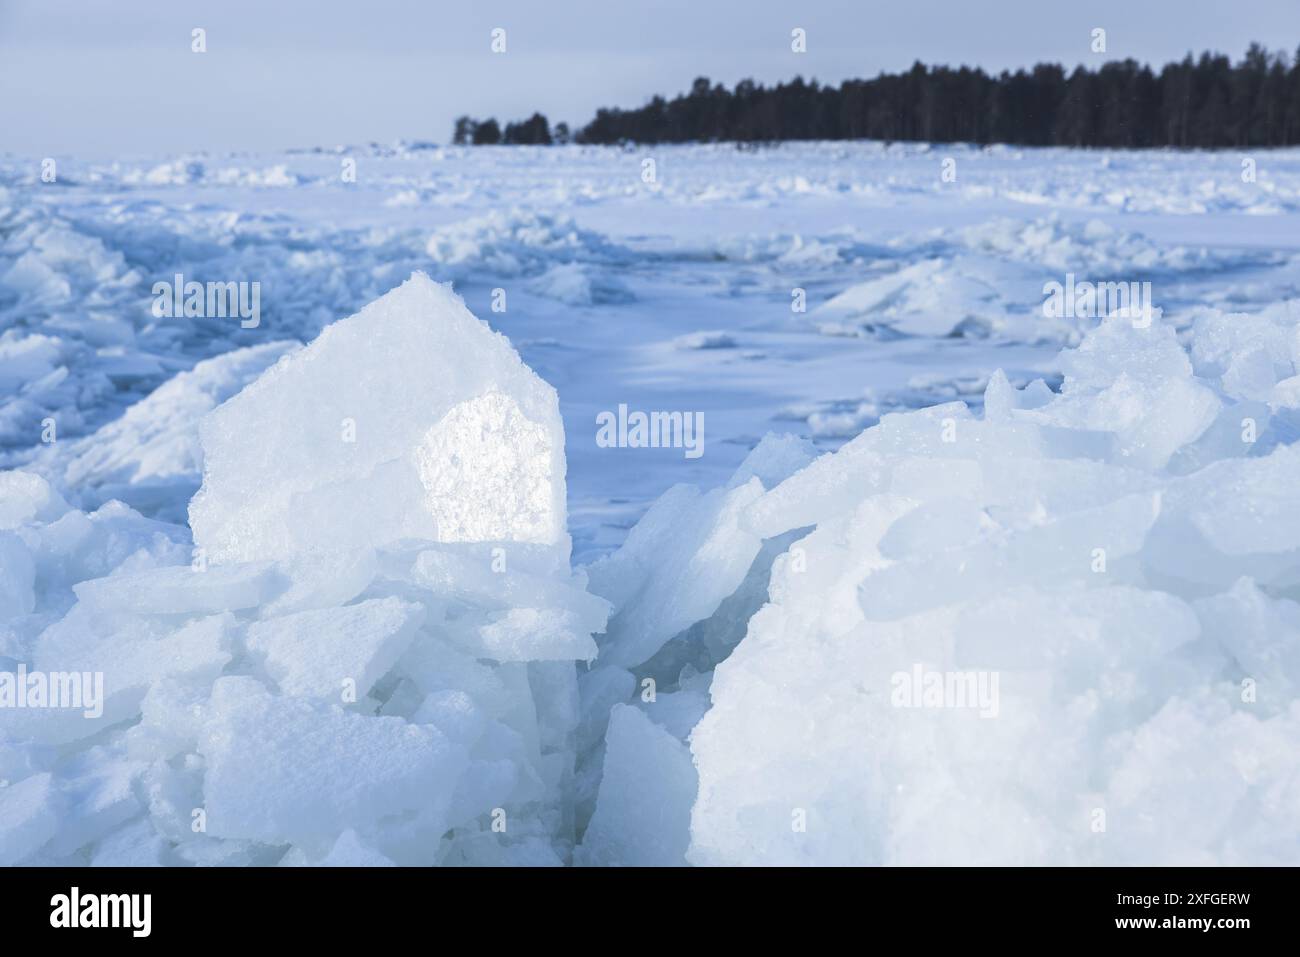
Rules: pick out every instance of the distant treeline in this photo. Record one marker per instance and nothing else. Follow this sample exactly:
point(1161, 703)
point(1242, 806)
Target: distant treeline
point(1205, 102)
point(534, 131)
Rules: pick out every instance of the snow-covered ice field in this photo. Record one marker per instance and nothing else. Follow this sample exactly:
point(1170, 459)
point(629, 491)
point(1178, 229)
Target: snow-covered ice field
point(607, 279)
point(1094, 524)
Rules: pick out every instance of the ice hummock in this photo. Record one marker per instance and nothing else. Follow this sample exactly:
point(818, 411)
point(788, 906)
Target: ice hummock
point(1116, 563)
point(411, 419)
point(367, 653)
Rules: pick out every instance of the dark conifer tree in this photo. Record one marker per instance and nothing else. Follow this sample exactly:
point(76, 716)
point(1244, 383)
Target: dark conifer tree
point(464, 133)
point(487, 133)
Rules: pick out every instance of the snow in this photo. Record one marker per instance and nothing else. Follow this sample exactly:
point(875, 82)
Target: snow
point(364, 589)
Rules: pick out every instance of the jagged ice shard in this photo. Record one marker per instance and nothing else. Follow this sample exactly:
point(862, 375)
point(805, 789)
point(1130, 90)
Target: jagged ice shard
point(411, 419)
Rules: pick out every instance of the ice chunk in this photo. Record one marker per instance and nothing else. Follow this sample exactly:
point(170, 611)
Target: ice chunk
point(435, 666)
point(172, 715)
point(136, 844)
point(1137, 383)
point(324, 579)
point(350, 851)
point(1222, 340)
point(533, 634)
point(600, 690)
point(454, 713)
point(1251, 375)
point(829, 484)
point(1262, 635)
point(682, 559)
point(99, 795)
point(26, 497)
point(30, 811)
point(643, 810)
point(520, 576)
point(287, 770)
point(678, 712)
point(774, 460)
point(1286, 394)
point(1244, 506)
point(317, 654)
point(1120, 347)
point(1153, 419)
point(514, 604)
point(688, 554)
point(113, 539)
point(120, 660)
point(933, 297)
point(1241, 813)
point(183, 590)
point(362, 437)
point(17, 577)
point(554, 688)
point(579, 284)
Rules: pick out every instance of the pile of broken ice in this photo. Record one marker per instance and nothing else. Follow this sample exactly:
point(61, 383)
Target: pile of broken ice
point(373, 648)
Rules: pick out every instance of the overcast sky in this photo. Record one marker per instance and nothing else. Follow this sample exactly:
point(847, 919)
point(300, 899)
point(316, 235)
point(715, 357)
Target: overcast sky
point(117, 76)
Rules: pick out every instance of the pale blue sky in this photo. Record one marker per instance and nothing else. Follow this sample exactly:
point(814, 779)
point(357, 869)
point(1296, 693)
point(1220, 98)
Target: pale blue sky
point(117, 76)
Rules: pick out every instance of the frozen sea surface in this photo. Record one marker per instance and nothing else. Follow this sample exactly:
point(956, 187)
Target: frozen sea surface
point(676, 294)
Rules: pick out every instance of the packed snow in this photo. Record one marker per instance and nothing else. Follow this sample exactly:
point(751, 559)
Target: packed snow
point(958, 578)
